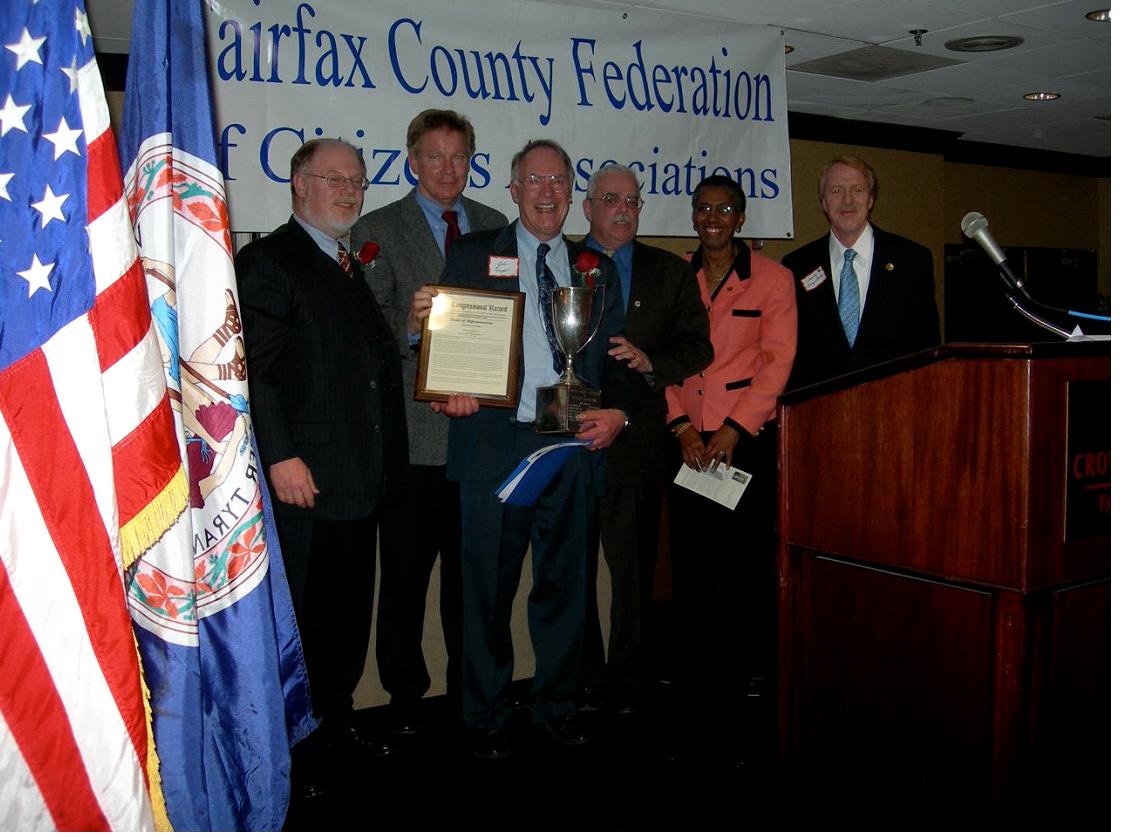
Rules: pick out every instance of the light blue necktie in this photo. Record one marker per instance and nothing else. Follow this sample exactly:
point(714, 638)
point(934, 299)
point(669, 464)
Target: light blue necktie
point(849, 297)
point(546, 281)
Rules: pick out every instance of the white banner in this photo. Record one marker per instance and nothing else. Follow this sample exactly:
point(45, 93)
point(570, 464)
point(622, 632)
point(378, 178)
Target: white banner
point(675, 97)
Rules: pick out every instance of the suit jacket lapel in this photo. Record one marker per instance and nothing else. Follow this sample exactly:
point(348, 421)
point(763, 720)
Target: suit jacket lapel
point(328, 275)
point(640, 285)
point(324, 266)
point(476, 216)
point(415, 229)
point(823, 301)
point(505, 244)
point(877, 291)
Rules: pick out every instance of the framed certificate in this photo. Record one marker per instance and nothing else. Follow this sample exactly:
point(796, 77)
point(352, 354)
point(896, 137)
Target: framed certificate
point(471, 344)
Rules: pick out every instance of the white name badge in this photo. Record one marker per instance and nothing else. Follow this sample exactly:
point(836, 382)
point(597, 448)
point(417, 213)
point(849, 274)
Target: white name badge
point(814, 279)
point(503, 267)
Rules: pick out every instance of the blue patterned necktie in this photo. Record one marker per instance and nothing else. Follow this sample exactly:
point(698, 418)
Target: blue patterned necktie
point(546, 281)
point(849, 297)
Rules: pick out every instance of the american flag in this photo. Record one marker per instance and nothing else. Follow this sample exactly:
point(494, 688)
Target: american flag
point(88, 458)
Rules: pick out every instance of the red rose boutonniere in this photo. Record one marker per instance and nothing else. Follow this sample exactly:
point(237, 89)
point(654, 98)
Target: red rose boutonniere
point(586, 267)
point(367, 253)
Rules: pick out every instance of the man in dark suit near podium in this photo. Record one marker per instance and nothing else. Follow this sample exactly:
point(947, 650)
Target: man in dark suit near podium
point(864, 295)
point(486, 444)
point(326, 400)
point(424, 519)
point(666, 339)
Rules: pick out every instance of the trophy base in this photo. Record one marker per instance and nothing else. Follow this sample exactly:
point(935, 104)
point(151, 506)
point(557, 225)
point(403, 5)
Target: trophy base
point(557, 406)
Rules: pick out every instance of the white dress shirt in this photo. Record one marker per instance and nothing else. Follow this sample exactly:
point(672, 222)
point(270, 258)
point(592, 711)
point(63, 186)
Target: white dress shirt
point(864, 252)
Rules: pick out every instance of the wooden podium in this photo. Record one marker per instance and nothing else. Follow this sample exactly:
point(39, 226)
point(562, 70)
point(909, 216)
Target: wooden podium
point(944, 588)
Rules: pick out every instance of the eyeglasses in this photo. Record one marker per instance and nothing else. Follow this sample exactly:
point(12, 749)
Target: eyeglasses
point(724, 209)
point(552, 180)
point(858, 191)
point(612, 200)
point(337, 181)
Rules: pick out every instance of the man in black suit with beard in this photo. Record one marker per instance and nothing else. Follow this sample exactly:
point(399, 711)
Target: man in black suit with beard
point(864, 296)
point(327, 405)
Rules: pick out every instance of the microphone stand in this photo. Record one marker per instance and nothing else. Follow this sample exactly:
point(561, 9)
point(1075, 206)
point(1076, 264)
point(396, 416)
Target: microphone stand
point(1035, 318)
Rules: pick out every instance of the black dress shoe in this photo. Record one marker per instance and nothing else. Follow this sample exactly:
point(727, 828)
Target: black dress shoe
point(626, 701)
point(404, 726)
point(569, 731)
point(589, 700)
point(310, 789)
point(404, 720)
point(491, 744)
point(366, 743)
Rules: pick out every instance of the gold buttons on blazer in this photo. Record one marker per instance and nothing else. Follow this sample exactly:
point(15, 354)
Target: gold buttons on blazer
point(889, 266)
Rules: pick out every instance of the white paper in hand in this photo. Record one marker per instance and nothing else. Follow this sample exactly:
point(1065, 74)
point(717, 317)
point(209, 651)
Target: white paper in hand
point(724, 485)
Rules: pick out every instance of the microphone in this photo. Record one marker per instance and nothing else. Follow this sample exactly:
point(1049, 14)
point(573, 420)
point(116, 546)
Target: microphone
point(975, 226)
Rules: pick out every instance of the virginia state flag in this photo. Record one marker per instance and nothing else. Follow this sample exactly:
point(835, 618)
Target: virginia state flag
point(213, 617)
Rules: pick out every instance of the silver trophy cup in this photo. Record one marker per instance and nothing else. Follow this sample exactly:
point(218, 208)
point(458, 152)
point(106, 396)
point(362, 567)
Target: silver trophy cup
point(557, 406)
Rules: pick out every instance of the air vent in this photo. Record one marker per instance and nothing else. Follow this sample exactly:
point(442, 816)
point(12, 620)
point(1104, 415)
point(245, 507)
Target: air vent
point(984, 43)
point(874, 63)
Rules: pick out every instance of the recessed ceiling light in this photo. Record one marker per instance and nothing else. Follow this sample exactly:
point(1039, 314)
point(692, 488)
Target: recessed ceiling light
point(1041, 96)
point(984, 43)
point(1098, 15)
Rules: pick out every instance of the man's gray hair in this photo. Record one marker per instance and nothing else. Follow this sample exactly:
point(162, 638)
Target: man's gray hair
point(304, 154)
point(542, 143)
point(611, 168)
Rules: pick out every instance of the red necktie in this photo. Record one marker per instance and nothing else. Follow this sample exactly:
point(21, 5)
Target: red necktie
point(344, 258)
point(452, 229)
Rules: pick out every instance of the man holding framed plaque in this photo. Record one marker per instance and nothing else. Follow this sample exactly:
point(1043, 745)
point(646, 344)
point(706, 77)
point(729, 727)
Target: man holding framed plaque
point(485, 444)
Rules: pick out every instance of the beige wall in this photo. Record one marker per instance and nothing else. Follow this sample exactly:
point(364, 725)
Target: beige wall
point(1033, 209)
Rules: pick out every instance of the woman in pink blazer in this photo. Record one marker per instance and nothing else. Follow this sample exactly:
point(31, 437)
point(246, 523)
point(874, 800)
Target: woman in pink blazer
point(723, 564)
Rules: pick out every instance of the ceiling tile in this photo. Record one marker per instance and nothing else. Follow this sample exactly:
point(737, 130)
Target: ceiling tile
point(868, 97)
point(825, 109)
point(808, 46)
point(987, 8)
point(1066, 59)
point(800, 85)
point(1065, 87)
point(759, 11)
point(1068, 17)
point(939, 110)
point(960, 80)
point(1098, 78)
point(935, 41)
point(879, 21)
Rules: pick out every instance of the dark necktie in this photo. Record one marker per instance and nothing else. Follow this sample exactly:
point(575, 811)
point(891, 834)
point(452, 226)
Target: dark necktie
point(547, 284)
point(344, 258)
point(849, 297)
point(452, 228)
